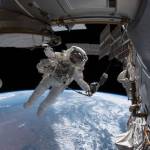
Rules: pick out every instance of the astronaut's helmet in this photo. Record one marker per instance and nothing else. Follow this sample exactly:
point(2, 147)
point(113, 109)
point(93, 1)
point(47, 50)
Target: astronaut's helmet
point(78, 55)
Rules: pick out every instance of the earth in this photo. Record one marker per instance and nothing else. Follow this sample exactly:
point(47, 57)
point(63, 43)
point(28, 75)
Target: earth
point(74, 122)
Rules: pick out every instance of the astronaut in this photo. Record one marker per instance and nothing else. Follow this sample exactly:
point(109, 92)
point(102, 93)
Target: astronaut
point(59, 70)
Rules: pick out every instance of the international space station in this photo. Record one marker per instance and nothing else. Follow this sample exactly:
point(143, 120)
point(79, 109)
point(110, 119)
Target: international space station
point(126, 37)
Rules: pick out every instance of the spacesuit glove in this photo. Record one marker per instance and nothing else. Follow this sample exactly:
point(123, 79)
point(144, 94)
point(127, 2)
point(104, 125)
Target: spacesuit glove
point(89, 93)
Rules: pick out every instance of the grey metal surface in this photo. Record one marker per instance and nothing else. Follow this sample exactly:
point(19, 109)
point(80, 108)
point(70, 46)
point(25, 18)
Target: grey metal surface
point(140, 34)
point(54, 9)
point(127, 8)
point(8, 4)
point(22, 40)
point(143, 82)
point(34, 16)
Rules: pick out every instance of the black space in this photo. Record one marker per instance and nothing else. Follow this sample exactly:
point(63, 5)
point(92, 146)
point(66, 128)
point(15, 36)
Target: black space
point(18, 66)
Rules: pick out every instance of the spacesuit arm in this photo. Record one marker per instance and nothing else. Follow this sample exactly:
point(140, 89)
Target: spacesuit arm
point(78, 77)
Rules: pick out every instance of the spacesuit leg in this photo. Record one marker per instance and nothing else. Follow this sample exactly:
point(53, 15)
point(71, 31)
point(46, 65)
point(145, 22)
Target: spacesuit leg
point(40, 89)
point(50, 99)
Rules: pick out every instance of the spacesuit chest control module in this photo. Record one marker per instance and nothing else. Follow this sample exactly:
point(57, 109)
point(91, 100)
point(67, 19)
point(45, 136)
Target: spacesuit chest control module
point(59, 69)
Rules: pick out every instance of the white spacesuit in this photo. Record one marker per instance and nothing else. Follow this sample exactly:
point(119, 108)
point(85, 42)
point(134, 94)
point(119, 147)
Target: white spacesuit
point(59, 70)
